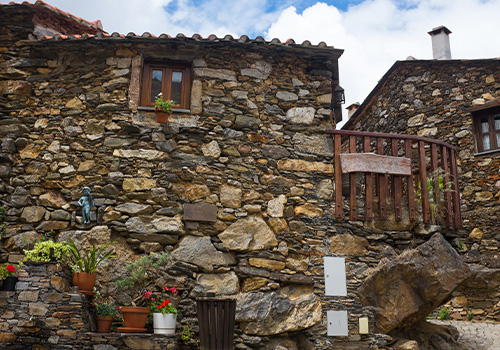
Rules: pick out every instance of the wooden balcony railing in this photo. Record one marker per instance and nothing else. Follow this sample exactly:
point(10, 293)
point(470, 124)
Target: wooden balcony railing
point(400, 172)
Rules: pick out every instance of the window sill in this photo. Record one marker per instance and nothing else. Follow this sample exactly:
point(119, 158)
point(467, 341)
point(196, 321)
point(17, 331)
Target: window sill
point(486, 152)
point(175, 110)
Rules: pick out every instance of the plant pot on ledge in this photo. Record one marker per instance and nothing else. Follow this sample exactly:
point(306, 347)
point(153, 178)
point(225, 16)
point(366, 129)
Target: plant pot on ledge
point(134, 319)
point(9, 283)
point(161, 117)
point(84, 281)
point(104, 324)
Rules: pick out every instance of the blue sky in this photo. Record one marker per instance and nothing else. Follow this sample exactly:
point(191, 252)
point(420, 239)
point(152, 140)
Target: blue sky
point(373, 33)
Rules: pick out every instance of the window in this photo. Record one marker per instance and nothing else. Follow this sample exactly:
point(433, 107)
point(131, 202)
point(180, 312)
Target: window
point(487, 128)
point(172, 80)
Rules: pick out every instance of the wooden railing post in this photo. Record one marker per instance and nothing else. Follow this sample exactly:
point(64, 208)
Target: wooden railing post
point(339, 211)
point(368, 184)
point(352, 180)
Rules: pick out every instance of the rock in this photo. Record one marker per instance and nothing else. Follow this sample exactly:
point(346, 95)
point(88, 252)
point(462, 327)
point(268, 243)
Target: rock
point(260, 70)
point(223, 74)
point(211, 149)
point(476, 234)
point(201, 252)
point(300, 115)
point(309, 209)
point(403, 291)
point(218, 283)
point(305, 166)
point(266, 263)
point(416, 120)
point(23, 240)
point(134, 208)
point(286, 96)
point(230, 196)
point(148, 154)
point(155, 225)
point(248, 234)
point(325, 189)
point(33, 214)
point(31, 151)
point(347, 244)
point(483, 196)
point(320, 145)
point(138, 184)
point(275, 152)
point(427, 132)
point(20, 197)
point(408, 345)
point(253, 283)
point(244, 122)
point(52, 199)
point(190, 191)
point(276, 206)
point(292, 308)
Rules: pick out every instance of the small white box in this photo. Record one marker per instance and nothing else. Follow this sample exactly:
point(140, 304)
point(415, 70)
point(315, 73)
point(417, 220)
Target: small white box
point(363, 325)
point(337, 323)
point(335, 280)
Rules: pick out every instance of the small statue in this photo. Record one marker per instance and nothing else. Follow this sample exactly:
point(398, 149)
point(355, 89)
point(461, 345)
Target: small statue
point(87, 203)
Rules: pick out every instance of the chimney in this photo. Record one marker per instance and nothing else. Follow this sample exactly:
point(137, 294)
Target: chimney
point(351, 109)
point(440, 43)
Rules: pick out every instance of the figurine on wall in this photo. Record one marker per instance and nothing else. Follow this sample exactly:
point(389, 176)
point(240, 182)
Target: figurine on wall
point(87, 203)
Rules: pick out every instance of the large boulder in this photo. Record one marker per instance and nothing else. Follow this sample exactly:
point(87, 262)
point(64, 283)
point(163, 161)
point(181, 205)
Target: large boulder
point(403, 291)
point(292, 308)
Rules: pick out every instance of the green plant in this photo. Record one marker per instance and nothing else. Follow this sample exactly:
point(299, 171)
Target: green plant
point(7, 270)
point(141, 272)
point(158, 303)
point(187, 334)
point(46, 251)
point(104, 306)
point(165, 105)
point(444, 313)
point(90, 260)
point(470, 315)
point(436, 199)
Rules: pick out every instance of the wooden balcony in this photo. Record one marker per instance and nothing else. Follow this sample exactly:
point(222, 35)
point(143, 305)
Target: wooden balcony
point(387, 174)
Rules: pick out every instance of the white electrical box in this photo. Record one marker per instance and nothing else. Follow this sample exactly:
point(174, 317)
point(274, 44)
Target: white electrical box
point(335, 280)
point(337, 323)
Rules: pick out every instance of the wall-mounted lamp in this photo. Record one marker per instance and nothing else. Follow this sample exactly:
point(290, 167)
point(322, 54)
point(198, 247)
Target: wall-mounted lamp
point(338, 95)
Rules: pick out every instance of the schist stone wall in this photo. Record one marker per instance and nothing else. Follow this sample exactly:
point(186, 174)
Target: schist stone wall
point(430, 99)
point(252, 157)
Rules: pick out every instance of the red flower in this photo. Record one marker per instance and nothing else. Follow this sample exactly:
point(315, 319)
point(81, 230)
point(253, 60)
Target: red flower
point(11, 268)
point(159, 306)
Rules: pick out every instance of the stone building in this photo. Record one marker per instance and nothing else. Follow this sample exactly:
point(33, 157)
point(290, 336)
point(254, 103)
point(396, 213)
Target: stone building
point(456, 101)
point(237, 185)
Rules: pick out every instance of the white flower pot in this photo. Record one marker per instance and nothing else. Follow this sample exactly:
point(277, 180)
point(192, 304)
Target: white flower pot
point(164, 324)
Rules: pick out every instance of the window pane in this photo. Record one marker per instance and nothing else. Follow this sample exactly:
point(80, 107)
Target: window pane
point(497, 122)
point(498, 139)
point(486, 142)
point(484, 126)
point(156, 84)
point(175, 94)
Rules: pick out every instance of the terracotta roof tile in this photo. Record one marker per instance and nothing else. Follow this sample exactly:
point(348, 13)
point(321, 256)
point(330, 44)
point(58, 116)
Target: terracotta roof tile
point(99, 34)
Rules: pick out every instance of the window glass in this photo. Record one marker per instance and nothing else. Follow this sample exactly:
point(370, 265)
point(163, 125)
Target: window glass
point(497, 122)
point(484, 126)
point(486, 142)
point(156, 83)
point(176, 89)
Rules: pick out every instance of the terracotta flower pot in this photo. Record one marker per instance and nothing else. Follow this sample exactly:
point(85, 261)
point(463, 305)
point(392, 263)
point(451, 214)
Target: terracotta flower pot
point(104, 324)
point(84, 281)
point(134, 319)
point(161, 117)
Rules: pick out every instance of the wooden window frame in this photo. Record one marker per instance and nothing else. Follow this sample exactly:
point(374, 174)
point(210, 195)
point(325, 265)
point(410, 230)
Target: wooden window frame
point(167, 69)
point(489, 115)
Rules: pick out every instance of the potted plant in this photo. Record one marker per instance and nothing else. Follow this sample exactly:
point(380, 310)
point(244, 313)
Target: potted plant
point(46, 251)
point(163, 108)
point(9, 277)
point(105, 310)
point(140, 274)
point(164, 313)
point(84, 265)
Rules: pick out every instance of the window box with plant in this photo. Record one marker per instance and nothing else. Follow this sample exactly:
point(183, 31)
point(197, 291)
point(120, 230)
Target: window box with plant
point(164, 313)
point(9, 277)
point(105, 309)
point(85, 264)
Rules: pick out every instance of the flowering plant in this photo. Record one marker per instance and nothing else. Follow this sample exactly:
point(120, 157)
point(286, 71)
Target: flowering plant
point(158, 303)
point(165, 105)
point(7, 270)
point(104, 306)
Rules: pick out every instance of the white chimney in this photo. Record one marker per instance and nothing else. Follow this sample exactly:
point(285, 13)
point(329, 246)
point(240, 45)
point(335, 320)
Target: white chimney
point(351, 109)
point(440, 43)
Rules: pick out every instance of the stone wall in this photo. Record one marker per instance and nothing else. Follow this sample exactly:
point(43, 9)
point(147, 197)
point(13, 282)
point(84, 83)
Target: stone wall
point(42, 313)
point(430, 98)
point(253, 149)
